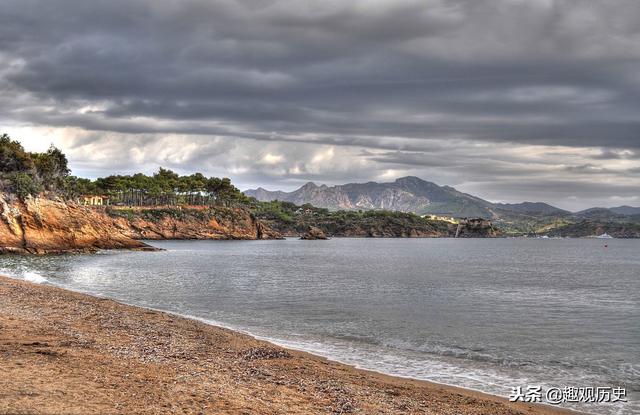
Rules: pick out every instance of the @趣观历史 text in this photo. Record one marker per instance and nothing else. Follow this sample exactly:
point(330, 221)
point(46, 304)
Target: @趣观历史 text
point(556, 396)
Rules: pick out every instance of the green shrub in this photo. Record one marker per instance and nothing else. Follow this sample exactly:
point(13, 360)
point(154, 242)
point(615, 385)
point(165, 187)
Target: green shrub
point(23, 185)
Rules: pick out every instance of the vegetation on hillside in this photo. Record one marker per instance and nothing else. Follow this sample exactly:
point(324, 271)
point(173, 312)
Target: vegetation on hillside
point(515, 225)
point(589, 228)
point(162, 188)
point(290, 219)
point(24, 173)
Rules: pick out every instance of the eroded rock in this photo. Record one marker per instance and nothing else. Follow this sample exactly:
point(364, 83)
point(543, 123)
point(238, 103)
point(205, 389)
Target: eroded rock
point(314, 233)
point(44, 226)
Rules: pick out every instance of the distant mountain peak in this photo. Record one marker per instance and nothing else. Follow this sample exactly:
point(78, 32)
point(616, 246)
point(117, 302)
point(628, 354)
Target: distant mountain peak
point(405, 194)
point(410, 179)
point(416, 195)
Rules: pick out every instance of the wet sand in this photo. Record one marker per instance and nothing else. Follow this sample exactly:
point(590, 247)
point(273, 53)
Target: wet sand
point(63, 352)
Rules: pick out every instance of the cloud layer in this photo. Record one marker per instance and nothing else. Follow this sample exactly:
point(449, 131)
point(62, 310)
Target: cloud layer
point(510, 99)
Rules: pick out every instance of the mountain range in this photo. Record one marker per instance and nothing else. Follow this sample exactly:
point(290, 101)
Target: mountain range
point(412, 194)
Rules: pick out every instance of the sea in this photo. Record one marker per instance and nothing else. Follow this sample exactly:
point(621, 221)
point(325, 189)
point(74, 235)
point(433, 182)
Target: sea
point(492, 315)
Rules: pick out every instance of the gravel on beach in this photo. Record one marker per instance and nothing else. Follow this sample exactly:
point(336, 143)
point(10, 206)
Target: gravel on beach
point(63, 352)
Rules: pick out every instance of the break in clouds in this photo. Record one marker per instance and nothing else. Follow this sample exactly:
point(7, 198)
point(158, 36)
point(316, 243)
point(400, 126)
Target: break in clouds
point(511, 100)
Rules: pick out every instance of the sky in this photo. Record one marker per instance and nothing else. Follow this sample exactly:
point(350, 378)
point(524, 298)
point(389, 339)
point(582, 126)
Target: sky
point(510, 100)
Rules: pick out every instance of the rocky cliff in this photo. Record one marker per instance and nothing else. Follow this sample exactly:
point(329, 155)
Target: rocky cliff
point(193, 222)
point(475, 228)
point(43, 226)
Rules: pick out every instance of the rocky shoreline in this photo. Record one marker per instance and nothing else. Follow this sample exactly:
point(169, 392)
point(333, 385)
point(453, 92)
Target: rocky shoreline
point(44, 226)
point(68, 353)
point(54, 226)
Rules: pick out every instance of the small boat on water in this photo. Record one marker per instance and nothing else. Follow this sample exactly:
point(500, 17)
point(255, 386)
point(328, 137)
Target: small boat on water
point(604, 236)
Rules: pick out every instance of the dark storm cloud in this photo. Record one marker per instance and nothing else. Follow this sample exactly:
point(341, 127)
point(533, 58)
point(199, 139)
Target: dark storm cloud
point(409, 80)
point(292, 66)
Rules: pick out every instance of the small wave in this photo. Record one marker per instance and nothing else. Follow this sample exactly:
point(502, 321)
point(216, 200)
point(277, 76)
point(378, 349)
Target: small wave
point(34, 277)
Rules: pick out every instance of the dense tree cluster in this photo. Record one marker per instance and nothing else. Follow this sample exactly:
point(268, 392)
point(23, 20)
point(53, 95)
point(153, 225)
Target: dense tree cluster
point(163, 188)
point(24, 173)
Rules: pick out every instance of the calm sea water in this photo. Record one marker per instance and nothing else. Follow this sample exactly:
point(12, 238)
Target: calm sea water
point(487, 314)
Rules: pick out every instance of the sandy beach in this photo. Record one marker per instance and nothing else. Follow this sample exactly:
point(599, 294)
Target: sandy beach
point(63, 352)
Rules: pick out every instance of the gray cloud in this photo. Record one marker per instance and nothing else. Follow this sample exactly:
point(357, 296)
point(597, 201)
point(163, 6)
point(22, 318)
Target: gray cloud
point(466, 92)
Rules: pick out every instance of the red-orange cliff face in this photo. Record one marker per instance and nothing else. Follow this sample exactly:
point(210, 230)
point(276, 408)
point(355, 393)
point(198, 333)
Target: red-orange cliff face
point(43, 226)
point(188, 222)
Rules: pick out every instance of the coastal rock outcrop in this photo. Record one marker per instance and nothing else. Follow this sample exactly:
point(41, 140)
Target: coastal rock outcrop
point(43, 226)
point(475, 228)
point(390, 231)
point(188, 222)
point(314, 233)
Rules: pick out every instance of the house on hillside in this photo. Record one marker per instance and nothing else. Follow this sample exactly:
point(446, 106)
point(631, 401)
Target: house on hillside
point(301, 211)
point(441, 218)
point(95, 200)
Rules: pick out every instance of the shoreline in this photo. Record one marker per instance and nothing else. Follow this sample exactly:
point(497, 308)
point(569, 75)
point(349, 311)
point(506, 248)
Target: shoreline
point(278, 343)
point(147, 247)
point(49, 330)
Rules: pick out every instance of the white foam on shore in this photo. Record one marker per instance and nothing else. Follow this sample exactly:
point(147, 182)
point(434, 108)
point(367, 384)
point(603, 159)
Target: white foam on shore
point(34, 277)
point(25, 275)
point(442, 373)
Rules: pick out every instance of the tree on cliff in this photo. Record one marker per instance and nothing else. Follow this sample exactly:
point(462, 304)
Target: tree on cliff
point(165, 187)
point(17, 169)
point(23, 185)
point(52, 168)
point(25, 174)
point(13, 158)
